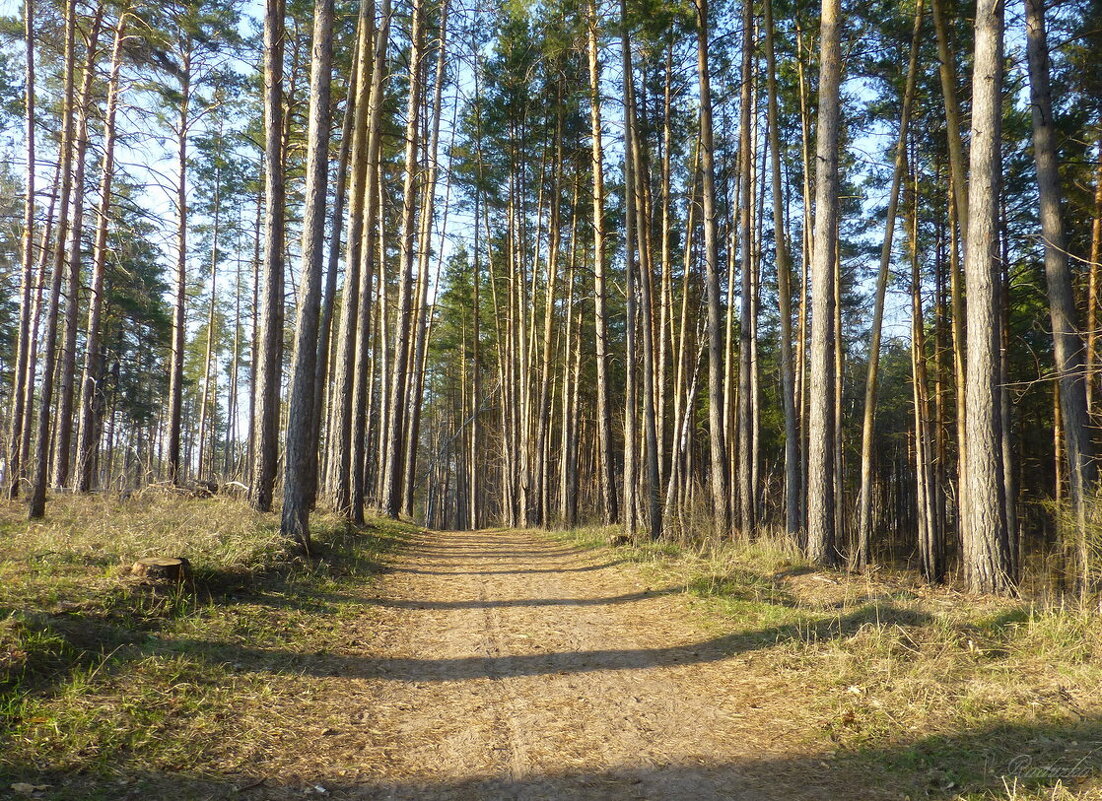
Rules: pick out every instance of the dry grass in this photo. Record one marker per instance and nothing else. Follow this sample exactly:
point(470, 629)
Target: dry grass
point(964, 697)
point(100, 674)
point(989, 697)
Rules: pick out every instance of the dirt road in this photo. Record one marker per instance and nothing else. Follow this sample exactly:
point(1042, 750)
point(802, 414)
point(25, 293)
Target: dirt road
point(504, 665)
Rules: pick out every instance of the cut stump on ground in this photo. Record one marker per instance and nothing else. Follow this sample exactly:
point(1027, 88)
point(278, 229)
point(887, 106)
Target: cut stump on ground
point(162, 570)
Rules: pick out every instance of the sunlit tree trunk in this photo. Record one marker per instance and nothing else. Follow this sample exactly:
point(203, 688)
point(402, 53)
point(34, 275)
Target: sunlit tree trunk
point(930, 547)
point(208, 396)
point(179, 311)
point(44, 253)
point(324, 399)
point(37, 501)
point(986, 550)
point(20, 380)
point(339, 470)
point(302, 450)
point(423, 323)
point(717, 443)
point(947, 72)
point(1093, 290)
point(784, 291)
point(91, 395)
point(821, 545)
point(1067, 344)
point(392, 486)
point(270, 334)
point(604, 409)
point(864, 526)
point(372, 260)
point(747, 492)
point(67, 371)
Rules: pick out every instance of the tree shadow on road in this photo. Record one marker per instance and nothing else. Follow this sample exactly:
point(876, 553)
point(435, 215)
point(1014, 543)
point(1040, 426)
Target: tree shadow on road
point(563, 662)
point(514, 603)
point(1001, 761)
point(506, 572)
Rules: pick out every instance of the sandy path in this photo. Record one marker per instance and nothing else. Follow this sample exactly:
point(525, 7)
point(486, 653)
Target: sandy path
point(504, 665)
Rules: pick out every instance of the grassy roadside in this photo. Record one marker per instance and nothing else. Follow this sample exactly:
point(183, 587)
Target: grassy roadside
point(103, 676)
point(956, 696)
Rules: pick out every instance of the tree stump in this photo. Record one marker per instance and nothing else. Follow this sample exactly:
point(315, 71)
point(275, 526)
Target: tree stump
point(162, 570)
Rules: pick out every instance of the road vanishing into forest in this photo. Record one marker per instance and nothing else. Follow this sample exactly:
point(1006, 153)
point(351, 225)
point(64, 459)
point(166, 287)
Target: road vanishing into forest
point(506, 665)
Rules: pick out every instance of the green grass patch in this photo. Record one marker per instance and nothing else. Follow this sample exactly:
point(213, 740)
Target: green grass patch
point(103, 675)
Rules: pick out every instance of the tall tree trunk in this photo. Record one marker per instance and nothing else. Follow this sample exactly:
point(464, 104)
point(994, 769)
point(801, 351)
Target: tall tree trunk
point(373, 223)
point(665, 324)
point(302, 448)
point(543, 419)
point(179, 312)
point(986, 549)
point(864, 526)
point(947, 72)
point(92, 395)
point(1093, 291)
point(568, 427)
point(821, 545)
point(803, 398)
point(635, 177)
point(322, 398)
point(208, 355)
point(229, 463)
point(19, 408)
point(784, 291)
point(44, 253)
point(428, 204)
point(37, 501)
point(716, 412)
point(339, 470)
point(747, 492)
point(270, 336)
point(930, 535)
point(631, 361)
point(392, 486)
point(474, 484)
point(67, 375)
point(604, 408)
point(1067, 344)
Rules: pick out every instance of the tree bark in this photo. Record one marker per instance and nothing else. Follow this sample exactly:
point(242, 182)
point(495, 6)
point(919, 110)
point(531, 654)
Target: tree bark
point(1093, 289)
point(392, 486)
point(92, 396)
point(423, 331)
point(986, 552)
point(747, 492)
point(371, 257)
point(67, 374)
point(301, 455)
point(36, 507)
point(179, 312)
point(604, 409)
point(784, 292)
point(19, 408)
point(339, 470)
point(821, 546)
point(716, 412)
point(1067, 343)
point(270, 337)
point(864, 529)
point(947, 72)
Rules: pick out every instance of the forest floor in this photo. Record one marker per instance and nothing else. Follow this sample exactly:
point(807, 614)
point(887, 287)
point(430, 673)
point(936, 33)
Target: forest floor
point(407, 664)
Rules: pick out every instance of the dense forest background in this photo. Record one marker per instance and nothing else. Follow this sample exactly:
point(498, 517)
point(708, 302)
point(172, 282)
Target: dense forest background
point(758, 269)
